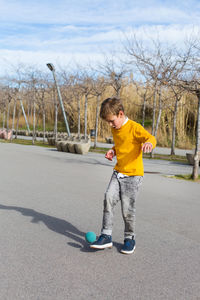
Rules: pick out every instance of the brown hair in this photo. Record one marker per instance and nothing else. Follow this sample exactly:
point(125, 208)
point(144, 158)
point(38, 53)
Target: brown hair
point(111, 106)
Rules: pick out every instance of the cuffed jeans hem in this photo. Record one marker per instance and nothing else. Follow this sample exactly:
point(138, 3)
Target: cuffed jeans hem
point(128, 236)
point(106, 231)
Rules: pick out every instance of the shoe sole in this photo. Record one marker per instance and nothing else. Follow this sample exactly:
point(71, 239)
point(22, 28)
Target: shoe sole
point(101, 247)
point(128, 252)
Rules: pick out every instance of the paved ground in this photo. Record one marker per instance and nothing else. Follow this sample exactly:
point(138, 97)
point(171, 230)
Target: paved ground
point(50, 199)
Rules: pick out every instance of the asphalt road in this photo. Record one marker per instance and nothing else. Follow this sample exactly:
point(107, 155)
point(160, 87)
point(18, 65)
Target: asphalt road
point(50, 199)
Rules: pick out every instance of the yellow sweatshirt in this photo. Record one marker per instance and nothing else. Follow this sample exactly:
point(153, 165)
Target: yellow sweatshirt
point(128, 142)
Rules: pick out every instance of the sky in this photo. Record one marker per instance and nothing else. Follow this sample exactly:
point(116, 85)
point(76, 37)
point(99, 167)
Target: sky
point(78, 31)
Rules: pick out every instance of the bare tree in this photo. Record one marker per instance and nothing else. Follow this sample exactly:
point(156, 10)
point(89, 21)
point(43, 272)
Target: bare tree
point(52, 101)
point(177, 95)
point(193, 86)
point(152, 66)
point(4, 114)
point(144, 91)
point(56, 112)
point(99, 87)
point(14, 110)
point(17, 125)
point(18, 83)
point(161, 65)
point(148, 63)
point(77, 93)
point(114, 70)
point(86, 89)
point(40, 97)
point(32, 82)
point(190, 81)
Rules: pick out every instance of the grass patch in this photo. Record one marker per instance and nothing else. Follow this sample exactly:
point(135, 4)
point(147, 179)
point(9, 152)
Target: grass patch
point(176, 158)
point(186, 177)
point(28, 143)
point(99, 150)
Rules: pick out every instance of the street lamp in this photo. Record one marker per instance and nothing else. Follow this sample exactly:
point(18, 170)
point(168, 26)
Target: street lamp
point(52, 69)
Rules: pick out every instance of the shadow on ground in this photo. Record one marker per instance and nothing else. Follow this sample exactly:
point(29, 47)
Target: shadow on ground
point(55, 224)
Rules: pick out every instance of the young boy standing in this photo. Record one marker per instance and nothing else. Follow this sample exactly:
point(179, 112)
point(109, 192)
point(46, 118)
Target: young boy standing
point(130, 140)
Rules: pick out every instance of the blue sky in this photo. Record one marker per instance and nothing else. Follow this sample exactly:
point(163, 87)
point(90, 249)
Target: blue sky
point(81, 30)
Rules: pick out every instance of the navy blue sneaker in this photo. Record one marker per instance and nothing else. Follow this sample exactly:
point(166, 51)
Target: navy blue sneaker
point(104, 241)
point(129, 246)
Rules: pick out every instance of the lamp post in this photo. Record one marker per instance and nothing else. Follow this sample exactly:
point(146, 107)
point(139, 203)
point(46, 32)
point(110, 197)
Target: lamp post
point(52, 69)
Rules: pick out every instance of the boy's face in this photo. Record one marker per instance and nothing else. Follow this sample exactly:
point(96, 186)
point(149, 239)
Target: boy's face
point(116, 121)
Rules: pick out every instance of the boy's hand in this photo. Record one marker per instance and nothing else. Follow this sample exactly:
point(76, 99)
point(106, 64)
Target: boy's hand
point(147, 147)
point(110, 154)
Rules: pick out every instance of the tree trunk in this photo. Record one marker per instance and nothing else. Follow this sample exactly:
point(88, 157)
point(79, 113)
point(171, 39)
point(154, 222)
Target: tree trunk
point(79, 116)
point(4, 116)
point(85, 117)
point(97, 121)
point(158, 119)
point(22, 107)
point(55, 115)
point(31, 111)
point(118, 92)
point(44, 123)
point(154, 112)
point(17, 126)
point(143, 110)
point(28, 113)
point(37, 119)
point(56, 122)
point(33, 139)
point(8, 115)
point(13, 120)
point(195, 173)
point(174, 127)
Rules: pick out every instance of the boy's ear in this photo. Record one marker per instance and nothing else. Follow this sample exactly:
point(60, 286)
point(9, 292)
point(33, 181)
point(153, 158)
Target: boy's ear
point(121, 113)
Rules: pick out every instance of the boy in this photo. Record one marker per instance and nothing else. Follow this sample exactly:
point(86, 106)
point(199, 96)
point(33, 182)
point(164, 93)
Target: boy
point(130, 139)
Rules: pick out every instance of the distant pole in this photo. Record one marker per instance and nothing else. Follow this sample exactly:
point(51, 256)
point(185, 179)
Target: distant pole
point(52, 69)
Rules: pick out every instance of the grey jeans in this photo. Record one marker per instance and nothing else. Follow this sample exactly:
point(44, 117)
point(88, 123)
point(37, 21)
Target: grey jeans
point(124, 190)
